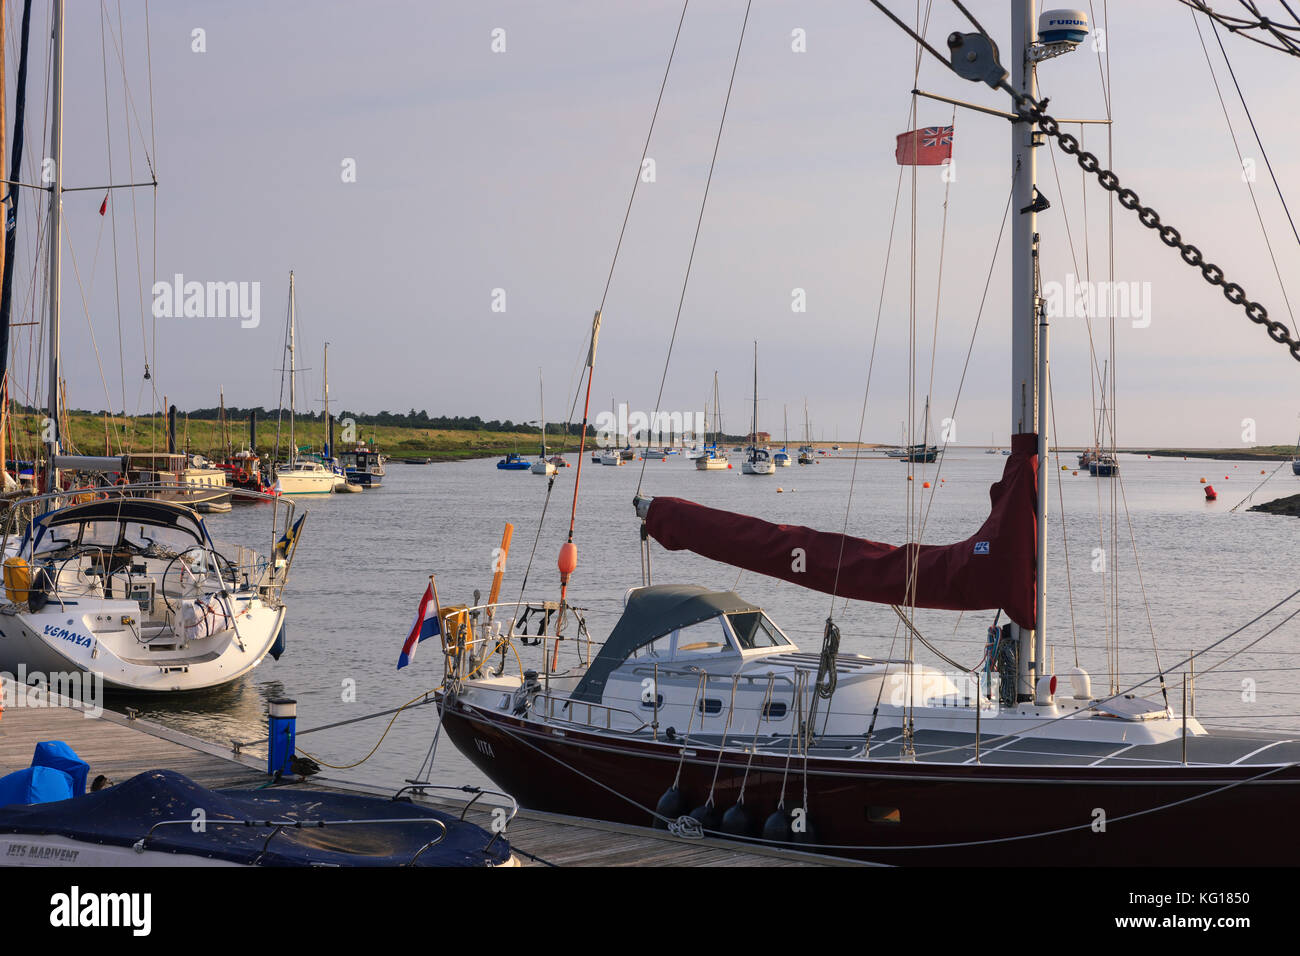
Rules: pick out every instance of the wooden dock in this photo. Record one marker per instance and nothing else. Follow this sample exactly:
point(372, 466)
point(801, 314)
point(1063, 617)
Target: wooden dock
point(120, 747)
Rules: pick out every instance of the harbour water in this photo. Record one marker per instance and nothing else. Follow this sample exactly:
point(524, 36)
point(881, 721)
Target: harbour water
point(365, 559)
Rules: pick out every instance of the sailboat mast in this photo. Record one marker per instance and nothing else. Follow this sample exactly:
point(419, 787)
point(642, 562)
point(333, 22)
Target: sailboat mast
point(753, 423)
point(329, 431)
point(541, 404)
point(293, 445)
point(56, 259)
point(1028, 352)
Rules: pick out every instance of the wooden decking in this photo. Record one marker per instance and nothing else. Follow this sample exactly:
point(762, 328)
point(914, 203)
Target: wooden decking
point(119, 748)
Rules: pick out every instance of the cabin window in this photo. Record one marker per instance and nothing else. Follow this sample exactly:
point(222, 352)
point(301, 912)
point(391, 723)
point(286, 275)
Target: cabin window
point(660, 648)
point(710, 705)
point(754, 630)
point(707, 637)
point(774, 710)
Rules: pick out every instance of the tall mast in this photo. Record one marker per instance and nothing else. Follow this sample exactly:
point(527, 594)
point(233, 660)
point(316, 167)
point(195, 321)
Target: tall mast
point(753, 425)
point(1028, 354)
point(293, 445)
point(541, 403)
point(56, 244)
point(329, 432)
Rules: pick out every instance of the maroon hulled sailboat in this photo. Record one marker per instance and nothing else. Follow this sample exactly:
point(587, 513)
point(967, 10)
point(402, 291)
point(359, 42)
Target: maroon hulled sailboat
point(699, 715)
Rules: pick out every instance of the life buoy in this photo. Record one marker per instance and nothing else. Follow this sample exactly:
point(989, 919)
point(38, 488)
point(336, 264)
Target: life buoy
point(122, 481)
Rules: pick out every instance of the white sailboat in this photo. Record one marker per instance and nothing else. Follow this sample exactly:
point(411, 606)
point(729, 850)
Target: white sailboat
point(712, 458)
point(121, 585)
point(299, 476)
point(782, 457)
point(542, 466)
point(758, 461)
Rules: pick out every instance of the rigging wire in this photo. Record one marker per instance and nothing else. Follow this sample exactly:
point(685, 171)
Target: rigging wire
point(1250, 186)
point(699, 222)
point(1283, 37)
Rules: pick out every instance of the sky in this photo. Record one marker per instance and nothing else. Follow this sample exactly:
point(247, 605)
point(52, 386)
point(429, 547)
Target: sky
point(478, 170)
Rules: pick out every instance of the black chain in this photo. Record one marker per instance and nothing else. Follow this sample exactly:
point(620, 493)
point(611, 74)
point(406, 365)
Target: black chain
point(1029, 110)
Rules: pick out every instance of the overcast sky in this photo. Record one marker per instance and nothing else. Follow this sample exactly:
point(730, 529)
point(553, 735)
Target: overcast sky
point(478, 170)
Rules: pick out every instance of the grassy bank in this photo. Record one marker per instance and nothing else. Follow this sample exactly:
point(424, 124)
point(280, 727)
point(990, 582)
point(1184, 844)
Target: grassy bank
point(95, 435)
point(1255, 453)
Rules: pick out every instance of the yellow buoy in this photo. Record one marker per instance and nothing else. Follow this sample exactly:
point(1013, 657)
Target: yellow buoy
point(18, 579)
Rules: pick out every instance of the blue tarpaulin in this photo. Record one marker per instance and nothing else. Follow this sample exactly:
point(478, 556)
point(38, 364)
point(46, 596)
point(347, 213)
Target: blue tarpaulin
point(35, 785)
point(58, 755)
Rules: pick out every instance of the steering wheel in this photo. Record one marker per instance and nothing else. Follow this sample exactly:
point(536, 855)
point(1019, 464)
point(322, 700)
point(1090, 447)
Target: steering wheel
point(191, 580)
point(86, 582)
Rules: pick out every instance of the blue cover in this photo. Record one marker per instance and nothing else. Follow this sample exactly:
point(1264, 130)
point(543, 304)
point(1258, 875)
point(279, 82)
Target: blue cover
point(57, 754)
point(123, 814)
point(35, 785)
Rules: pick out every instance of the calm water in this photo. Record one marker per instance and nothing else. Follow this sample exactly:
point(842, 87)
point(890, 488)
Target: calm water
point(364, 561)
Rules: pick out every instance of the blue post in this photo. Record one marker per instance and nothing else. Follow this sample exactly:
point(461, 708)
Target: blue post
point(283, 722)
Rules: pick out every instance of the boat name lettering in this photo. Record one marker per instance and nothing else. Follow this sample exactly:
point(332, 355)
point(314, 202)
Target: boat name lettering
point(53, 630)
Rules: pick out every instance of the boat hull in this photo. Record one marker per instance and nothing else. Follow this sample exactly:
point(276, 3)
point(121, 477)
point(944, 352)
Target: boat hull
point(917, 813)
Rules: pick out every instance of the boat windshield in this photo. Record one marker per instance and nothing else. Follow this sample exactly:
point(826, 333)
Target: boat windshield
point(706, 637)
point(754, 630)
point(109, 533)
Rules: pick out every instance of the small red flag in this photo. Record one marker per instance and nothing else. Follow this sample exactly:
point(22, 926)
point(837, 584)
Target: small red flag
point(931, 146)
point(103, 207)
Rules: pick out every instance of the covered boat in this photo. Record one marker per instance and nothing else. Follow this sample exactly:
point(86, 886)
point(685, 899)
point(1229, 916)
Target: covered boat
point(149, 820)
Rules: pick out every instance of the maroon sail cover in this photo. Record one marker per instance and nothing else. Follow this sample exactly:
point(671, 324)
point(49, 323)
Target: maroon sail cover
point(993, 568)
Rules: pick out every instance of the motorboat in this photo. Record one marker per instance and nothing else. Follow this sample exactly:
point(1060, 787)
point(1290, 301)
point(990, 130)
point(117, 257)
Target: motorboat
point(513, 462)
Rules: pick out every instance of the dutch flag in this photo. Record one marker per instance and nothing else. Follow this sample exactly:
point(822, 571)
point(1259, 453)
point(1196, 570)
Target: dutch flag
point(426, 625)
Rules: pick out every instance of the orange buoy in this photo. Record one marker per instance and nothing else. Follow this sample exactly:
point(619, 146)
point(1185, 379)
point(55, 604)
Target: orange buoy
point(1261, 471)
point(1075, 473)
point(728, 464)
point(909, 477)
point(780, 491)
point(925, 484)
point(1202, 481)
point(568, 562)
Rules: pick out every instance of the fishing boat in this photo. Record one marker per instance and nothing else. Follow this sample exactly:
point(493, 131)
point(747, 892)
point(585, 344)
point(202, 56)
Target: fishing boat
point(299, 475)
point(362, 466)
point(148, 820)
point(698, 714)
point(758, 461)
point(1103, 466)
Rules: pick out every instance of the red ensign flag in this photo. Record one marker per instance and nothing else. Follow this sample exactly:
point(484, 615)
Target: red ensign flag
point(931, 146)
point(103, 207)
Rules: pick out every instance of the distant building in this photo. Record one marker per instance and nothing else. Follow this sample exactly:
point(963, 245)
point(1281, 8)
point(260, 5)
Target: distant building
point(762, 439)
